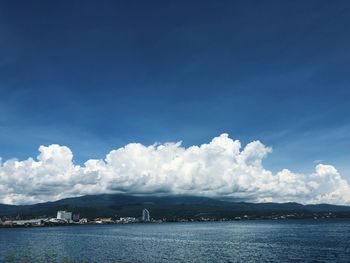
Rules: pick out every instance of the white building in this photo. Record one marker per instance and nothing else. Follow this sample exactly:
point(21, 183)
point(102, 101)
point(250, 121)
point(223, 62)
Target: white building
point(104, 220)
point(145, 215)
point(126, 220)
point(64, 215)
point(33, 222)
point(83, 221)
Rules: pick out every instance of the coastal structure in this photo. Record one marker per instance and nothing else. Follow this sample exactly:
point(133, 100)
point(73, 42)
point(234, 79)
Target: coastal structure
point(64, 215)
point(83, 221)
point(76, 217)
point(145, 215)
point(30, 222)
point(126, 220)
point(103, 220)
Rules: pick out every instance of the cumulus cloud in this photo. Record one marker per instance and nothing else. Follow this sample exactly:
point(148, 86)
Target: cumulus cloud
point(221, 168)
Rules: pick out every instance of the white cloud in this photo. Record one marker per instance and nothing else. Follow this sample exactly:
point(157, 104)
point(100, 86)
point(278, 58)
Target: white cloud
point(218, 169)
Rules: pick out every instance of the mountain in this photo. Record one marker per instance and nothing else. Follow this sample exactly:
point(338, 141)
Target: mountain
point(171, 207)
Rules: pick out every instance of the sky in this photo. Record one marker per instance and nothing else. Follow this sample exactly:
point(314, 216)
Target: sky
point(80, 80)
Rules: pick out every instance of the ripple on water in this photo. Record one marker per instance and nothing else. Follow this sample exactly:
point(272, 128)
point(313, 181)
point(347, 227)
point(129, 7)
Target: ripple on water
point(243, 241)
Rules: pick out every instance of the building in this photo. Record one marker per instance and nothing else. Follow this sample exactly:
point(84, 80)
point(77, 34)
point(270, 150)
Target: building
point(145, 215)
point(83, 221)
point(30, 222)
point(7, 223)
point(103, 220)
point(56, 221)
point(64, 215)
point(126, 220)
point(76, 217)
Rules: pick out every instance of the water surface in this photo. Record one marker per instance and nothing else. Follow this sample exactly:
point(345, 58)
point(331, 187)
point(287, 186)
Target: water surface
point(238, 241)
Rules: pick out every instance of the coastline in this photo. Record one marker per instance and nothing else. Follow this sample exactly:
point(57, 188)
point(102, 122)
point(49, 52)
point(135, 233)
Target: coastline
point(179, 221)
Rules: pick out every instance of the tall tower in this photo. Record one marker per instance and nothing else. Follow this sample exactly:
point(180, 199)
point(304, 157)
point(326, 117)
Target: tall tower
point(145, 215)
point(64, 215)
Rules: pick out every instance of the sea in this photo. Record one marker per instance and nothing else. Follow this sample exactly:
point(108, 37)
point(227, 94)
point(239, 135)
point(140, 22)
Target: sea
point(299, 240)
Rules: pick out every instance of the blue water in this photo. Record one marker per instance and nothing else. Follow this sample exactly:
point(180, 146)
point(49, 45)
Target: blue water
point(238, 241)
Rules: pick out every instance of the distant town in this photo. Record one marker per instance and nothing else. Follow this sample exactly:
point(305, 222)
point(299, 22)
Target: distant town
point(69, 218)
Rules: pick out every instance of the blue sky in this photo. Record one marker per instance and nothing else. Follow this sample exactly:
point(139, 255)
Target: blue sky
point(97, 75)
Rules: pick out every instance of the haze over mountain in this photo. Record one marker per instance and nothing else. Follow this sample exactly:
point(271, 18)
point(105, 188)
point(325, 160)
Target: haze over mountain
point(170, 207)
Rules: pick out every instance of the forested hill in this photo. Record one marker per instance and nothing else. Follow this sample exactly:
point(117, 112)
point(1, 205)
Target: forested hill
point(171, 207)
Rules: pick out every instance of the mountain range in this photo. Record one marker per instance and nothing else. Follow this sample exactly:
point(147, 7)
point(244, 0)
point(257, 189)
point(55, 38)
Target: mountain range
point(170, 207)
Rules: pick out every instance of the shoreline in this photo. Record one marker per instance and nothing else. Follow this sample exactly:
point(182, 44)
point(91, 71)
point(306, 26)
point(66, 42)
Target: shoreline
point(170, 222)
